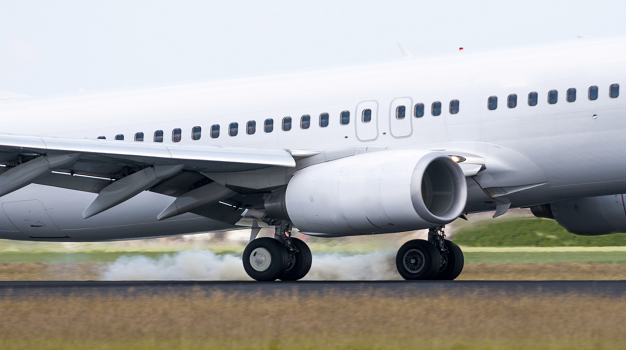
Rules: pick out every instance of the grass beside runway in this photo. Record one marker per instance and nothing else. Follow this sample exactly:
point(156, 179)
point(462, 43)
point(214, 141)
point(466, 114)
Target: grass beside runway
point(537, 249)
point(75, 257)
point(329, 321)
point(530, 232)
point(490, 265)
point(544, 256)
point(494, 255)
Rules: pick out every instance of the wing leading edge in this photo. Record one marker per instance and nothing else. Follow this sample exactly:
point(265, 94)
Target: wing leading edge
point(152, 153)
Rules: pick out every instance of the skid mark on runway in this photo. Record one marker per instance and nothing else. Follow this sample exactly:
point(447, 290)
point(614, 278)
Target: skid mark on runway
point(206, 265)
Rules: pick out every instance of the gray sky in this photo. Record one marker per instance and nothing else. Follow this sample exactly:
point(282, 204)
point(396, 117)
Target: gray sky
point(49, 47)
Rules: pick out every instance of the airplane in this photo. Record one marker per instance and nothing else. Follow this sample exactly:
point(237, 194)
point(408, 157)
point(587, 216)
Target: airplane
point(372, 148)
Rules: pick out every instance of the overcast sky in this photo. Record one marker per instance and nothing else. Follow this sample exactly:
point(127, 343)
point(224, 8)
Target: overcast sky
point(49, 47)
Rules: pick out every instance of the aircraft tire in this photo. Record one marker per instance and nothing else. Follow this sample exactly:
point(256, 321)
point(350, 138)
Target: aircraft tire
point(264, 259)
point(452, 263)
point(302, 264)
point(418, 260)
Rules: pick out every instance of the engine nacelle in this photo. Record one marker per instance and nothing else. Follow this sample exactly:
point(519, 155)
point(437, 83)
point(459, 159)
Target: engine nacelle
point(587, 216)
point(381, 192)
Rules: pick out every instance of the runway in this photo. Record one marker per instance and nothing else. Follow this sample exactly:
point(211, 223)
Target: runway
point(381, 288)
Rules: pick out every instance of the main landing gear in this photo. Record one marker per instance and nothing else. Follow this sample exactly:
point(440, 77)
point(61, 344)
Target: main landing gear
point(437, 258)
point(289, 259)
point(281, 257)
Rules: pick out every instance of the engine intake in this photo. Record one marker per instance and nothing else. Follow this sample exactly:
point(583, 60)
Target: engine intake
point(382, 192)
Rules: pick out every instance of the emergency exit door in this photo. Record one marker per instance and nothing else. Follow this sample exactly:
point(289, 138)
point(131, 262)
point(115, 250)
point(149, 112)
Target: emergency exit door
point(366, 119)
point(400, 117)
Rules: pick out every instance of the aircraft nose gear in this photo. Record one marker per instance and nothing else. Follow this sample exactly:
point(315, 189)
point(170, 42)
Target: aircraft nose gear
point(284, 257)
point(438, 258)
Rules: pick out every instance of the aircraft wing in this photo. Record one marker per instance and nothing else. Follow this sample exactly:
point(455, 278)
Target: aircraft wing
point(119, 170)
point(110, 155)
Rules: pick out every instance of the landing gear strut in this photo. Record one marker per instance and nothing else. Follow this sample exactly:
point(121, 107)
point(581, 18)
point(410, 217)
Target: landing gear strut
point(437, 258)
point(281, 257)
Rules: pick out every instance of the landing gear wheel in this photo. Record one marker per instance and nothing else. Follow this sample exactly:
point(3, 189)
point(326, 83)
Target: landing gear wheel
point(452, 262)
point(264, 259)
point(418, 260)
point(299, 262)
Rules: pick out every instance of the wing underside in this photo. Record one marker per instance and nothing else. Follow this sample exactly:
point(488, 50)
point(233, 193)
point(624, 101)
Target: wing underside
point(118, 170)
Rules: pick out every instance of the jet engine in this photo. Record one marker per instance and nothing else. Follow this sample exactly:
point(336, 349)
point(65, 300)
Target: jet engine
point(381, 192)
point(587, 216)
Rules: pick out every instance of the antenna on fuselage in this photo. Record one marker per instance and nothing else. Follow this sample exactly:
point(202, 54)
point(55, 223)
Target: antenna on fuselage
point(405, 53)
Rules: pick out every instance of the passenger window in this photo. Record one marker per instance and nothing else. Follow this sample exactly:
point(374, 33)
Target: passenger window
point(511, 101)
point(158, 136)
point(345, 118)
point(492, 103)
point(215, 131)
point(305, 121)
point(419, 110)
point(454, 106)
point(400, 112)
point(593, 93)
point(119, 137)
point(614, 91)
point(176, 135)
point(286, 123)
point(533, 98)
point(196, 133)
point(251, 127)
point(553, 97)
point(571, 95)
point(139, 136)
point(436, 109)
point(366, 116)
point(233, 129)
point(324, 119)
point(102, 137)
point(269, 125)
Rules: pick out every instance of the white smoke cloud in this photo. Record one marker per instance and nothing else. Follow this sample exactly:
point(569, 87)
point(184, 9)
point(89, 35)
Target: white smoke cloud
point(380, 265)
point(206, 265)
point(186, 265)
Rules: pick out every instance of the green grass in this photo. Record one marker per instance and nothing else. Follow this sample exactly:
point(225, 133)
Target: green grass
point(471, 257)
point(82, 257)
point(528, 232)
point(544, 257)
point(329, 320)
point(70, 257)
point(531, 233)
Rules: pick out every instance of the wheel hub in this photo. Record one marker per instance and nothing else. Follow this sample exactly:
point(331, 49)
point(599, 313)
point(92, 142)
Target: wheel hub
point(260, 259)
point(414, 261)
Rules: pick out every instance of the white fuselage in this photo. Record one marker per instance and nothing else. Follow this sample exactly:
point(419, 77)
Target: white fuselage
point(567, 149)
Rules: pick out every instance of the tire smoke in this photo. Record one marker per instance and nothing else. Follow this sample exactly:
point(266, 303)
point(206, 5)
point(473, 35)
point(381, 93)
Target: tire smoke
point(206, 265)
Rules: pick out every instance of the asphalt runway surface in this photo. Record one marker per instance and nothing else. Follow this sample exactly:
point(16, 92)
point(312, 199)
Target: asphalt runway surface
point(381, 288)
